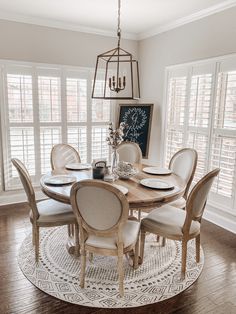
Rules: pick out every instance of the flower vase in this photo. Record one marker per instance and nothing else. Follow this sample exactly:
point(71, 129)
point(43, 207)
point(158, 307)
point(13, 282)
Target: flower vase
point(114, 160)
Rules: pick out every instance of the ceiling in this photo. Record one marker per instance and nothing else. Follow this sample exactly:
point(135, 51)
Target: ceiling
point(139, 18)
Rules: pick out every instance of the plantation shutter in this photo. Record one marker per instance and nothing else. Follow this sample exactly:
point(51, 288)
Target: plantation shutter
point(176, 102)
point(205, 119)
point(224, 133)
point(46, 105)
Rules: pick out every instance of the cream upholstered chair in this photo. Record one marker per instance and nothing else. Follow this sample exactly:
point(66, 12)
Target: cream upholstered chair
point(102, 214)
point(183, 163)
point(177, 224)
point(63, 154)
point(129, 152)
point(46, 213)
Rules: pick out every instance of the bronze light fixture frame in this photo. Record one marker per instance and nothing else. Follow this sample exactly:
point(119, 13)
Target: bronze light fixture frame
point(116, 83)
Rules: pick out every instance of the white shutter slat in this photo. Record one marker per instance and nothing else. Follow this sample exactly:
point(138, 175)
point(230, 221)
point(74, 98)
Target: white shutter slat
point(49, 94)
point(76, 97)
point(99, 144)
point(77, 137)
point(224, 157)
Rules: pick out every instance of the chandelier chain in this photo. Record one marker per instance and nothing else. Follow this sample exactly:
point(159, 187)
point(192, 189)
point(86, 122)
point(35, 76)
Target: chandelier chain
point(118, 28)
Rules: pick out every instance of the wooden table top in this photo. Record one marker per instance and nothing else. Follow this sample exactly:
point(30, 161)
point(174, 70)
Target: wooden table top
point(138, 196)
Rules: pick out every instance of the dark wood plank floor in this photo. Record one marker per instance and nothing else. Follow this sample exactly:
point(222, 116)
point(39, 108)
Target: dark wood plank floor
point(214, 292)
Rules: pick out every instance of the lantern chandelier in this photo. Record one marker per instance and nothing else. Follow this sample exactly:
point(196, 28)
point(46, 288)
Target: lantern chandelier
point(116, 73)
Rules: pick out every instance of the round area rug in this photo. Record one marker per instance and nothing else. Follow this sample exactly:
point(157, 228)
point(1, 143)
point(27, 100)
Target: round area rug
point(57, 272)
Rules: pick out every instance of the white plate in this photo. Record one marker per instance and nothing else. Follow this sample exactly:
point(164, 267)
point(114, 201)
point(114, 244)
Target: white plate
point(122, 188)
point(156, 184)
point(157, 170)
point(78, 166)
point(60, 180)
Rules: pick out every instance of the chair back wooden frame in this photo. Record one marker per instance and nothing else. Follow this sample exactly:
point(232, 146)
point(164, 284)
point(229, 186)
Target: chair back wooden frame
point(136, 147)
point(116, 230)
point(195, 156)
point(62, 147)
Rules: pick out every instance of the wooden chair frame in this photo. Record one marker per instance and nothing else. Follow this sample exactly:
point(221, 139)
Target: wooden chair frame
point(34, 219)
point(185, 237)
point(115, 230)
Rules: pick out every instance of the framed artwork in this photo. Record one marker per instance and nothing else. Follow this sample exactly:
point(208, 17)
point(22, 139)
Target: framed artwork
point(138, 118)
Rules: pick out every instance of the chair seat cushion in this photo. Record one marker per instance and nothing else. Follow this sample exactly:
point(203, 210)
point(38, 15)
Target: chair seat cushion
point(51, 211)
point(130, 235)
point(168, 221)
point(180, 203)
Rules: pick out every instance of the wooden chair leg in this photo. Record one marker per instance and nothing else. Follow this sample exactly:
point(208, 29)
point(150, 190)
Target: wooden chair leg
point(33, 235)
point(76, 236)
point(158, 238)
point(184, 257)
point(90, 257)
point(36, 237)
point(83, 267)
point(197, 242)
point(136, 254)
point(69, 230)
point(139, 215)
point(142, 243)
point(121, 271)
point(163, 241)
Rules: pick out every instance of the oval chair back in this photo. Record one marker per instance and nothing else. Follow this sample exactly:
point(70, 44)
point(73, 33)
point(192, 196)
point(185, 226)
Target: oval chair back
point(63, 154)
point(99, 207)
point(183, 163)
point(130, 152)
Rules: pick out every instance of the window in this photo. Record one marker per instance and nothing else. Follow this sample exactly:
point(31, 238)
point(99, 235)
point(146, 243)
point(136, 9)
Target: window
point(201, 100)
point(45, 105)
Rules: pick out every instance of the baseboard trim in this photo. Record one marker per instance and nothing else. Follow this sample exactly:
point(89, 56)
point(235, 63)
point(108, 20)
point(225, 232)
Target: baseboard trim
point(220, 218)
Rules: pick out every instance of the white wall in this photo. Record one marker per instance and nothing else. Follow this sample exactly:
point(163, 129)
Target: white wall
point(209, 37)
point(25, 42)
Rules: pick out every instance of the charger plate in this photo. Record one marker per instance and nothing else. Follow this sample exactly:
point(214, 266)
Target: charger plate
point(62, 179)
point(156, 184)
point(157, 170)
point(78, 166)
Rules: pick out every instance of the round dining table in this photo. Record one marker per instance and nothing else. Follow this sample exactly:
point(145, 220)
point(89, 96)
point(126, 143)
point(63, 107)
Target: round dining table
point(140, 198)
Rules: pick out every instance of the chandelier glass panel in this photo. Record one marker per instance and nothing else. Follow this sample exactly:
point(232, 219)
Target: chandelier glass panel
point(116, 73)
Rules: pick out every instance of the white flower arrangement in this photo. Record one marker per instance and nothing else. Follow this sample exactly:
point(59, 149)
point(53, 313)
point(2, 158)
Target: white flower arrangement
point(115, 136)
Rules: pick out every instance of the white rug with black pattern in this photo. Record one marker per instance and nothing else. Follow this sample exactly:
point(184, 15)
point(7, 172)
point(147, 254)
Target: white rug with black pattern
point(57, 272)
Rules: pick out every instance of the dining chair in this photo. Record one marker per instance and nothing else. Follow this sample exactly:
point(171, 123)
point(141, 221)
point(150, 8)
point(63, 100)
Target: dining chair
point(183, 163)
point(102, 214)
point(176, 224)
point(45, 213)
point(129, 152)
point(63, 154)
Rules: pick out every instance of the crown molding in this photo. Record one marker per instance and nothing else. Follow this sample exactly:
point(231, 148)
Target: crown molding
point(63, 25)
point(188, 19)
point(126, 35)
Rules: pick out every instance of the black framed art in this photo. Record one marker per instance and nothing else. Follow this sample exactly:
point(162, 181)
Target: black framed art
point(138, 118)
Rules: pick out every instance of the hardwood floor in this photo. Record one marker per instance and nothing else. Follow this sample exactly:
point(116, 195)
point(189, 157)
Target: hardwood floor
point(214, 292)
